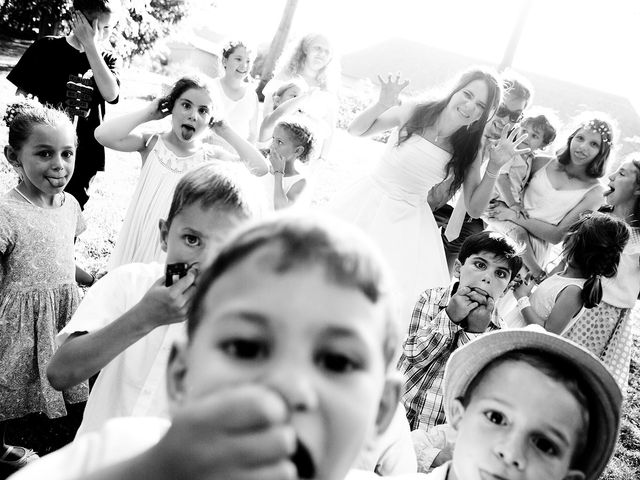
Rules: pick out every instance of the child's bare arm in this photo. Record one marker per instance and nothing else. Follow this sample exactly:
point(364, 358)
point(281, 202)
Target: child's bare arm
point(86, 34)
point(84, 355)
point(504, 187)
point(271, 119)
point(235, 433)
point(118, 133)
point(248, 153)
point(568, 304)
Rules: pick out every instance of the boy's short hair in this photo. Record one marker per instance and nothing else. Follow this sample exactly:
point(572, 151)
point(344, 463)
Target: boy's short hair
point(214, 185)
point(92, 7)
point(517, 87)
point(294, 82)
point(543, 125)
point(500, 245)
point(305, 240)
point(584, 376)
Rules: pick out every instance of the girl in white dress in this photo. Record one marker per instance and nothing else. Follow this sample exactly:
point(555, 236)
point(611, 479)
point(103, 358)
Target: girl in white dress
point(430, 141)
point(291, 146)
point(165, 158)
point(237, 94)
point(560, 190)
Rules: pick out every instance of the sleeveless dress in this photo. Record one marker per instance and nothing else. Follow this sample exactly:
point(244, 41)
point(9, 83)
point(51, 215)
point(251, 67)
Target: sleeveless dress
point(607, 330)
point(543, 202)
point(287, 182)
point(543, 299)
point(139, 238)
point(390, 204)
point(239, 114)
point(38, 296)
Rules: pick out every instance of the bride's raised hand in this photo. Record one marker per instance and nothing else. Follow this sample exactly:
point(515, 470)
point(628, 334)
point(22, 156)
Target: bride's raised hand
point(390, 90)
point(507, 147)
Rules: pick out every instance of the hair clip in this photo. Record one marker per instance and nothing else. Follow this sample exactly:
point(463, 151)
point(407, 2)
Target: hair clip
point(9, 115)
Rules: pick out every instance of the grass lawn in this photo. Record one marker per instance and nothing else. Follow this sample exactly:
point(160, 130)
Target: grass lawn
point(112, 189)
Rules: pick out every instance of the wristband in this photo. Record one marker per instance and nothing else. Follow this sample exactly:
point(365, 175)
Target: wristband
point(491, 174)
point(278, 171)
point(523, 303)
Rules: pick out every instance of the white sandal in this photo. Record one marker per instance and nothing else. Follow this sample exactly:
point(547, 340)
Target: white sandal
point(27, 457)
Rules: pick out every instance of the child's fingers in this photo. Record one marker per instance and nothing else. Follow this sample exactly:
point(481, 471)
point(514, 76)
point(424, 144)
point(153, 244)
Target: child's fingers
point(239, 408)
point(283, 470)
point(266, 445)
point(463, 291)
point(183, 284)
point(477, 297)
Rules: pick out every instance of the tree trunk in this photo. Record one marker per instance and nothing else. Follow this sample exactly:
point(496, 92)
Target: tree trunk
point(512, 46)
point(277, 45)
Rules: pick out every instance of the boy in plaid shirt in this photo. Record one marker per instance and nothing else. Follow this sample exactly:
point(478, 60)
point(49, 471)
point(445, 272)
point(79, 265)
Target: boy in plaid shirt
point(447, 317)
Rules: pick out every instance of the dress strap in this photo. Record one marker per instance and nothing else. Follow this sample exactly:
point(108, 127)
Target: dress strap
point(62, 199)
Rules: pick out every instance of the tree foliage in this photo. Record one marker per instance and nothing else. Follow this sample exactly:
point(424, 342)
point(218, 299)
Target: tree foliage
point(141, 24)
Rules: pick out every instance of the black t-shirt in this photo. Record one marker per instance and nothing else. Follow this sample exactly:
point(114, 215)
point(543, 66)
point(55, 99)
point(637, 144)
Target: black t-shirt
point(60, 75)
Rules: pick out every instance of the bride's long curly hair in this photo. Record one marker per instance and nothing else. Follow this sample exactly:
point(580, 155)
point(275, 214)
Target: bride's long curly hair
point(465, 141)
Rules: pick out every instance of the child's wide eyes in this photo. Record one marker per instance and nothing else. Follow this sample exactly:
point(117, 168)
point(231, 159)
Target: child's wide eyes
point(479, 265)
point(545, 445)
point(192, 240)
point(501, 274)
point(203, 111)
point(245, 349)
point(67, 154)
point(495, 417)
point(337, 362)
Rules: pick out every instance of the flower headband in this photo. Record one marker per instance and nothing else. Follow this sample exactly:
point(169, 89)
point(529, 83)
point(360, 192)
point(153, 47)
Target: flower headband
point(600, 127)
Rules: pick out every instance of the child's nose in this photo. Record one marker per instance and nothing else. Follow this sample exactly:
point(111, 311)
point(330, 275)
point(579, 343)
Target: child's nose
point(296, 388)
point(511, 451)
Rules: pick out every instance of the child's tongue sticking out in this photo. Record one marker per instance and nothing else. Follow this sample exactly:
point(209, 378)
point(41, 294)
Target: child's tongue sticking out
point(187, 132)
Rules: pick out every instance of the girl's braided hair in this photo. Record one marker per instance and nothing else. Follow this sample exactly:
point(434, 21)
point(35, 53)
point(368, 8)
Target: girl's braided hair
point(302, 135)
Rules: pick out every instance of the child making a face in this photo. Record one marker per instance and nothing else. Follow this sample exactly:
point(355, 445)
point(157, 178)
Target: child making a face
point(529, 404)
point(448, 317)
point(287, 369)
point(126, 323)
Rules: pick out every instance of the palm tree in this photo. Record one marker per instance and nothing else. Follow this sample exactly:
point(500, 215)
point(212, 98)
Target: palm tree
point(510, 51)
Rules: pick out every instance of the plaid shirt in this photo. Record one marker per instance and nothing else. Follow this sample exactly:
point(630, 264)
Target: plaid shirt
point(432, 337)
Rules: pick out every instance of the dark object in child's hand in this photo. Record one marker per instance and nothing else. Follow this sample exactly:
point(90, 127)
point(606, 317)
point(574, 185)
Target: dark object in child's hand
point(163, 107)
point(175, 270)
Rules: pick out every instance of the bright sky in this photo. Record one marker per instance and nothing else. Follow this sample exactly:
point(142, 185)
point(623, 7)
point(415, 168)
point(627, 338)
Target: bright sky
point(591, 42)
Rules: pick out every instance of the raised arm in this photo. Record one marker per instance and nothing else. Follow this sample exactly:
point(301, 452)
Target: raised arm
point(247, 152)
point(271, 119)
point(87, 35)
point(386, 113)
point(117, 133)
point(85, 354)
point(479, 190)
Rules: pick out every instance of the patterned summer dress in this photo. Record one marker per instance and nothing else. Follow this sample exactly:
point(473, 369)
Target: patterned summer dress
point(38, 295)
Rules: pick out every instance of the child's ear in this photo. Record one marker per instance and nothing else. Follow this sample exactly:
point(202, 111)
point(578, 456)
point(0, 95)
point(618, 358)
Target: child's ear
point(456, 414)
point(388, 403)
point(176, 372)
point(12, 156)
point(164, 234)
point(574, 475)
point(299, 151)
point(457, 265)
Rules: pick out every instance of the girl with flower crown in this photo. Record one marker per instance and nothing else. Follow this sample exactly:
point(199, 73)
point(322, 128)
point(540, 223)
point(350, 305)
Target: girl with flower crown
point(559, 191)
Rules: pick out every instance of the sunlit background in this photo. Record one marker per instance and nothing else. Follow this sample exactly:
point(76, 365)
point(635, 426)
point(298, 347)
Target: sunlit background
point(594, 43)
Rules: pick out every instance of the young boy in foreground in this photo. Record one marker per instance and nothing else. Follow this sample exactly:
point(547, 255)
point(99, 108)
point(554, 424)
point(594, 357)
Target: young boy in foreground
point(287, 369)
point(127, 322)
point(446, 318)
point(528, 404)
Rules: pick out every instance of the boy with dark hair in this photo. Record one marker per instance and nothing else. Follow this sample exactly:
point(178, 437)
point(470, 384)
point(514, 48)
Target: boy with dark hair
point(126, 323)
point(288, 367)
point(448, 317)
point(74, 73)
